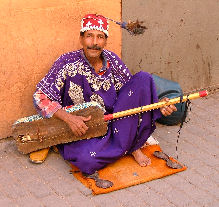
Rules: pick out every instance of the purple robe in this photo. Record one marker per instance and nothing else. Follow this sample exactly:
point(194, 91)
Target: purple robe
point(72, 80)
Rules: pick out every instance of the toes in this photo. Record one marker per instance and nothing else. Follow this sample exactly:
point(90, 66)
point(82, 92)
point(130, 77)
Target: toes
point(143, 164)
point(146, 163)
point(141, 159)
point(149, 161)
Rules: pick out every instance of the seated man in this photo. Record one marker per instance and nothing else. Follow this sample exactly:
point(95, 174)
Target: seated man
point(95, 74)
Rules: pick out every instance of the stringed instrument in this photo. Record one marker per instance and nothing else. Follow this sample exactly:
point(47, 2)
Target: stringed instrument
point(42, 133)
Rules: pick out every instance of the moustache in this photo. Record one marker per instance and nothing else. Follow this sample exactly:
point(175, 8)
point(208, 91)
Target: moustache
point(94, 47)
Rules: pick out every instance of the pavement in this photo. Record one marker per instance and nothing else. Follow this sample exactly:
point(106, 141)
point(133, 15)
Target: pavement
point(50, 184)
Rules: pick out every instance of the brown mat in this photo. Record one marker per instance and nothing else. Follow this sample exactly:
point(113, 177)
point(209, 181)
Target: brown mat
point(126, 172)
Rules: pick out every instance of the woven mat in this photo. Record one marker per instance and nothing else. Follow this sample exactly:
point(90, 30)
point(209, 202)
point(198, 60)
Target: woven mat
point(126, 172)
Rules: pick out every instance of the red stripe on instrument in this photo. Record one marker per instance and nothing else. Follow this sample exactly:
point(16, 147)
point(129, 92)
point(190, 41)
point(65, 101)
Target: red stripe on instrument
point(108, 117)
point(203, 93)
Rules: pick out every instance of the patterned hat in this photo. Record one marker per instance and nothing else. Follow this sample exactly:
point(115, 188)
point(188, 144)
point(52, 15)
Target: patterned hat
point(94, 22)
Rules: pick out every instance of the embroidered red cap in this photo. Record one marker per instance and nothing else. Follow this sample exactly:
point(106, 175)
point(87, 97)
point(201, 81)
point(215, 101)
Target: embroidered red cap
point(94, 22)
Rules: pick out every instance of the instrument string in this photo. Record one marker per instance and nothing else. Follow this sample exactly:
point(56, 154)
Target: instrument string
point(187, 108)
point(211, 89)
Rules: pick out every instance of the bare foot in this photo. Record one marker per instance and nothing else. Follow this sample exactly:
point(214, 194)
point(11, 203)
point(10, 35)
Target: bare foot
point(140, 158)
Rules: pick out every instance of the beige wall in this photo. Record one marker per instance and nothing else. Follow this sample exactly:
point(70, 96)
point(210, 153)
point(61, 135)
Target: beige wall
point(33, 35)
point(181, 43)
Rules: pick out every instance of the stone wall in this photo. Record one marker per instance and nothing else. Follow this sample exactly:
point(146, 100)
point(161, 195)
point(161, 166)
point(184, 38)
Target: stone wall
point(33, 35)
point(181, 42)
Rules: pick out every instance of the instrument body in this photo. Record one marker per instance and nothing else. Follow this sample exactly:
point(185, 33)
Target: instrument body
point(43, 133)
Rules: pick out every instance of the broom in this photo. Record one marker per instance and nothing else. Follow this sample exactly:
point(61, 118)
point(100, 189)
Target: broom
point(133, 27)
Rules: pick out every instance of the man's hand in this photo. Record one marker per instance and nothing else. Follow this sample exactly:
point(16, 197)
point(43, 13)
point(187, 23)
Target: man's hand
point(167, 110)
point(76, 123)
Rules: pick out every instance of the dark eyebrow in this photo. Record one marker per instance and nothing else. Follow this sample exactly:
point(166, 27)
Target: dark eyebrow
point(89, 33)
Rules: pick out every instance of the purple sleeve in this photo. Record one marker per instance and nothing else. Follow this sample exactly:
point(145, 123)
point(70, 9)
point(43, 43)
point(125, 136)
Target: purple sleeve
point(52, 84)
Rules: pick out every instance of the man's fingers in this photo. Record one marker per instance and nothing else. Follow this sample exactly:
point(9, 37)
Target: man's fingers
point(77, 130)
point(169, 109)
point(148, 162)
point(78, 126)
point(166, 111)
point(83, 126)
point(173, 107)
point(78, 133)
point(82, 130)
point(163, 111)
point(166, 99)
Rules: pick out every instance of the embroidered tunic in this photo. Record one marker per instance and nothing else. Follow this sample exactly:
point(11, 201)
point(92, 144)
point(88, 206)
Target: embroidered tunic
point(72, 80)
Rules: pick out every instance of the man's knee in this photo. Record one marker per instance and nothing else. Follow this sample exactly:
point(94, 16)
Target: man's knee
point(143, 76)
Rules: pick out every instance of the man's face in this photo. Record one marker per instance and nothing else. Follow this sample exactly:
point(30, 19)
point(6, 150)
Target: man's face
point(93, 43)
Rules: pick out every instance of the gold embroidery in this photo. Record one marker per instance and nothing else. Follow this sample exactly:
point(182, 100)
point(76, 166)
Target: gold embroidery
point(118, 86)
point(59, 84)
point(76, 93)
point(106, 85)
point(95, 97)
point(81, 69)
point(71, 69)
point(96, 82)
point(61, 76)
